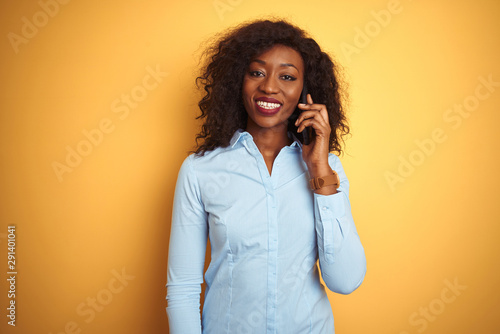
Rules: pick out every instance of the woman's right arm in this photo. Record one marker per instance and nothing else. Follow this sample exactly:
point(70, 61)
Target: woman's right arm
point(186, 256)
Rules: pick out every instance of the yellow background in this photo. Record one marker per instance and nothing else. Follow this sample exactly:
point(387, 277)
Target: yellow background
point(112, 211)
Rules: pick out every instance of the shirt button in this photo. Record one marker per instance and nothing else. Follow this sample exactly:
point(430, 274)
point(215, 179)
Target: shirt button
point(324, 208)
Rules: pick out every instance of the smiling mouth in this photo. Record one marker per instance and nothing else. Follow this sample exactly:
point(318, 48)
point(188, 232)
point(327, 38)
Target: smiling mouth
point(268, 105)
point(267, 108)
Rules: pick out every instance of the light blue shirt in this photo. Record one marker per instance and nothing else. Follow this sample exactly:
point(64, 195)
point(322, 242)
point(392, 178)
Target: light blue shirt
point(266, 234)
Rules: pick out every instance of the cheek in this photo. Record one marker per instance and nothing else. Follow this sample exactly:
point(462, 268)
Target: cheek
point(294, 96)
point(298, 91)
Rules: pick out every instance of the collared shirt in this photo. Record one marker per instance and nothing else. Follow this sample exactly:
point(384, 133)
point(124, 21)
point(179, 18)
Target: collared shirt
point(267, 233)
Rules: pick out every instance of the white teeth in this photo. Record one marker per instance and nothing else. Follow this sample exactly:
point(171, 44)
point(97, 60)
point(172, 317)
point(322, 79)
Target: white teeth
point(268, 105)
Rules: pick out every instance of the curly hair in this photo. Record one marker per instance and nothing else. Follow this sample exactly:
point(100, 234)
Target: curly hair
point(225, 63)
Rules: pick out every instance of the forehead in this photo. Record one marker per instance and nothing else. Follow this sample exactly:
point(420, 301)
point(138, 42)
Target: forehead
point(281, 54)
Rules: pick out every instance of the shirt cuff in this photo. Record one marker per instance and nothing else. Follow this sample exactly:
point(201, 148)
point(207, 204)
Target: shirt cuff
point(332, 224)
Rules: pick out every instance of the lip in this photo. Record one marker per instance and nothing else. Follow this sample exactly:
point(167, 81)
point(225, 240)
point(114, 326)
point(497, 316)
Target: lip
point(267, 99)
point(267, 112)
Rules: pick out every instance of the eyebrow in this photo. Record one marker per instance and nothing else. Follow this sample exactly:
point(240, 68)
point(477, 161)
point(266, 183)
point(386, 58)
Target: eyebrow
point(282, 64)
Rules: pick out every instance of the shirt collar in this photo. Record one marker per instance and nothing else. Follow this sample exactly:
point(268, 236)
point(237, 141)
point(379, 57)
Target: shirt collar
point(241, 135)
point(296, 142)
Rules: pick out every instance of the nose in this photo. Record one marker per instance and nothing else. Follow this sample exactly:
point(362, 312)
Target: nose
point(269, 85)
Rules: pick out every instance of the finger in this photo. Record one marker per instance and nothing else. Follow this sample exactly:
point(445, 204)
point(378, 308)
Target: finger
point(324, 115)
point(320, 130)
point(315, 120)
point(309, 104)
point(321, 108)
point(309, 99)
point(313, 113)
point(313, 106)
point(309, 114)
point(306, 115)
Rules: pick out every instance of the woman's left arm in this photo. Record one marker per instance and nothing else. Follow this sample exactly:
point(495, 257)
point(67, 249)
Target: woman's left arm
point(341, 256)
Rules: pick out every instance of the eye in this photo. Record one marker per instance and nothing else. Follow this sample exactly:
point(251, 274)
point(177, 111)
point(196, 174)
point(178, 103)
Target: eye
point(288, 77)
point(256, 74)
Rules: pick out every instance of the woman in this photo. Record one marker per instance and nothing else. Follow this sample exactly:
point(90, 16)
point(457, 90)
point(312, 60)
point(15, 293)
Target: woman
point(252, 189)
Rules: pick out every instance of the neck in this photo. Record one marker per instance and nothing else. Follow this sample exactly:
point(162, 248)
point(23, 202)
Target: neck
point(269, 141)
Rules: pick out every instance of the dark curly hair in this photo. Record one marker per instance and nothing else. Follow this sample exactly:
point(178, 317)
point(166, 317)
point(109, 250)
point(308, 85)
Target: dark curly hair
point(226, 62)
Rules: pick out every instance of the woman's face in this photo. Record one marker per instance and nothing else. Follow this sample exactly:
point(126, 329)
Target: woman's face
point(272, 86)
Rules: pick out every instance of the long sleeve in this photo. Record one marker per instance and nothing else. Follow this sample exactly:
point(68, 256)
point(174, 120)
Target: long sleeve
point(186, 259)
point(341, 256)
